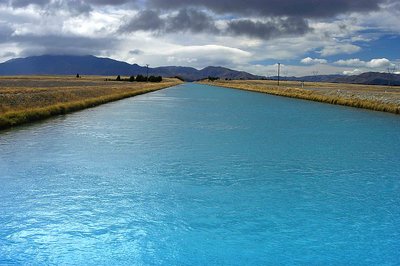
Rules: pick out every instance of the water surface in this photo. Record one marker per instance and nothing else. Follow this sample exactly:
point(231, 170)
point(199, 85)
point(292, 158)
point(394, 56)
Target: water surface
point(199, 175)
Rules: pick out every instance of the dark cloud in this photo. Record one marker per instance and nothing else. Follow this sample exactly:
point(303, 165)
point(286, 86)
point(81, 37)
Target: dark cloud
point(24, 3)
point(185, 20)
point(274, 28)
point(5, 32)
point(298, 8)
point(264, 19)
point(191, 20)
point(135, 52)
point(198, 21)
point(147, 20)
point(75, 7)
point(53, 44)
point(110, 2)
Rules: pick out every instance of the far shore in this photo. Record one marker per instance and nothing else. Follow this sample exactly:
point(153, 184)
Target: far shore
point(378, 98)
point(25, 99)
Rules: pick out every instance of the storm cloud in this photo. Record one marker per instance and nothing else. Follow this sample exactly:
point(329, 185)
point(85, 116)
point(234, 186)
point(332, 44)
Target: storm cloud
point(24, 3)
point(297, 8)
point(147, 20)
point(185, 20)
point(5, 32)
point(274, 28)
point(191, 20)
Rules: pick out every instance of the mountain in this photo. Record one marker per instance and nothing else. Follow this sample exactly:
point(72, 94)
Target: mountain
point(187, 73)
point(66, 65)
point(316, 78)
point(368, 78)
point(371, 78)
point(91, 65)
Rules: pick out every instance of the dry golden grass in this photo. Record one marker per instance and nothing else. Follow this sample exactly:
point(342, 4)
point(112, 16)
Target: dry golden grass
point(28, 98)
point(378, 98)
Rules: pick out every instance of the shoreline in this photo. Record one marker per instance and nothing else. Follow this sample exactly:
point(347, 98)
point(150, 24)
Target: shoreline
point(14, 118)
point(311, 95)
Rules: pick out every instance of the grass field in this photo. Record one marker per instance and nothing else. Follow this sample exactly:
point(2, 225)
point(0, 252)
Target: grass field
point(29, 98)
point(378, 98)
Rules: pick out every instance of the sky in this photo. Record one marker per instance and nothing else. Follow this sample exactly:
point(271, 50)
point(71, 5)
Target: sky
point(307, 37)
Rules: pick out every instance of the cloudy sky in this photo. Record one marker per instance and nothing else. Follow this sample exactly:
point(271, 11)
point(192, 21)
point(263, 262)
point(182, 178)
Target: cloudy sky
point(306, 36)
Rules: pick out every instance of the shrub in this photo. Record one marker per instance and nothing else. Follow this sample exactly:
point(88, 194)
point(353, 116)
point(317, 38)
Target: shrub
point(213, 78)
point(180, 78)
point(141, 78)
point(155, 79)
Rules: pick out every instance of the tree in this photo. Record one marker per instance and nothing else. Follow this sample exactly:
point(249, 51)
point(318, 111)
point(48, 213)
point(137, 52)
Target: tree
point(132, 78)
point(155, 79)
point(141, 78)
point(77, 75)
point(118, 78)
point(213, 78)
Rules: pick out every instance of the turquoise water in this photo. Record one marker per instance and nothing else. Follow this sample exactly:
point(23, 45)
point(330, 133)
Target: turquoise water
point(198, 175)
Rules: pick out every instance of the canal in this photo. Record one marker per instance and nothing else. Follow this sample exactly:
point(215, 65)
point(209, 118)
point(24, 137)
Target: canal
point(201, 175)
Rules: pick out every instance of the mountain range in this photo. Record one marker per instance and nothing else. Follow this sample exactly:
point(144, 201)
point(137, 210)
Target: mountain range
point(91, 65)
point(367, 78)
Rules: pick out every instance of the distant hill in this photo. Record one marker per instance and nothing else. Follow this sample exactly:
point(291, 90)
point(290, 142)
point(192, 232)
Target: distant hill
point(317, 78)
point(368, 78)
point(372, 78)
point(91, 65)
point(66, 65)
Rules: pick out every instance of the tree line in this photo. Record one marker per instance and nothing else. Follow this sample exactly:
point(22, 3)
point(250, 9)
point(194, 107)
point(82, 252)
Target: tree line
point(140, 78)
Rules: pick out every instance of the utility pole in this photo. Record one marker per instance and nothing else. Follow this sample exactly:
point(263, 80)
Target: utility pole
point(279, 72)
point(147, 75)
point(391, 72)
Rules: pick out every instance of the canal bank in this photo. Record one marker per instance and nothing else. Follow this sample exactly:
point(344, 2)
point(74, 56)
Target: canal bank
point(27, 99)
point(377, 98)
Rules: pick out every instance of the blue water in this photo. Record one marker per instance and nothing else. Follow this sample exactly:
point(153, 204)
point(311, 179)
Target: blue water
point(199, 175)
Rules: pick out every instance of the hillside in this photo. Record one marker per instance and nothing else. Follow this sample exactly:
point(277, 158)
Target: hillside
point(91, 65)
point(368, 78)
point(371, 78)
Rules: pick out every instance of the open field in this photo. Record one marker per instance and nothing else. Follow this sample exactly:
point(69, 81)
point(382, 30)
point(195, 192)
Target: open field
point(28, 98)
point(378, 98)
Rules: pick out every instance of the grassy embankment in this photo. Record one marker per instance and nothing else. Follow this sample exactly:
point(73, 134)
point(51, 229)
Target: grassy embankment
point(378, 98)
point(25, 99)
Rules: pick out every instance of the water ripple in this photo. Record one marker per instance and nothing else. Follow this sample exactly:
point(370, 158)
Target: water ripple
point(195, 175)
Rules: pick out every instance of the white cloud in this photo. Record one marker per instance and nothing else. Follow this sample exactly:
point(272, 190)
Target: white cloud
point(292, 70)
point(381, 62)
point(313, 61)
point(339, 48)
point(355, 71)
point(373, 63)
point(350, 62)
point(205, 55)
